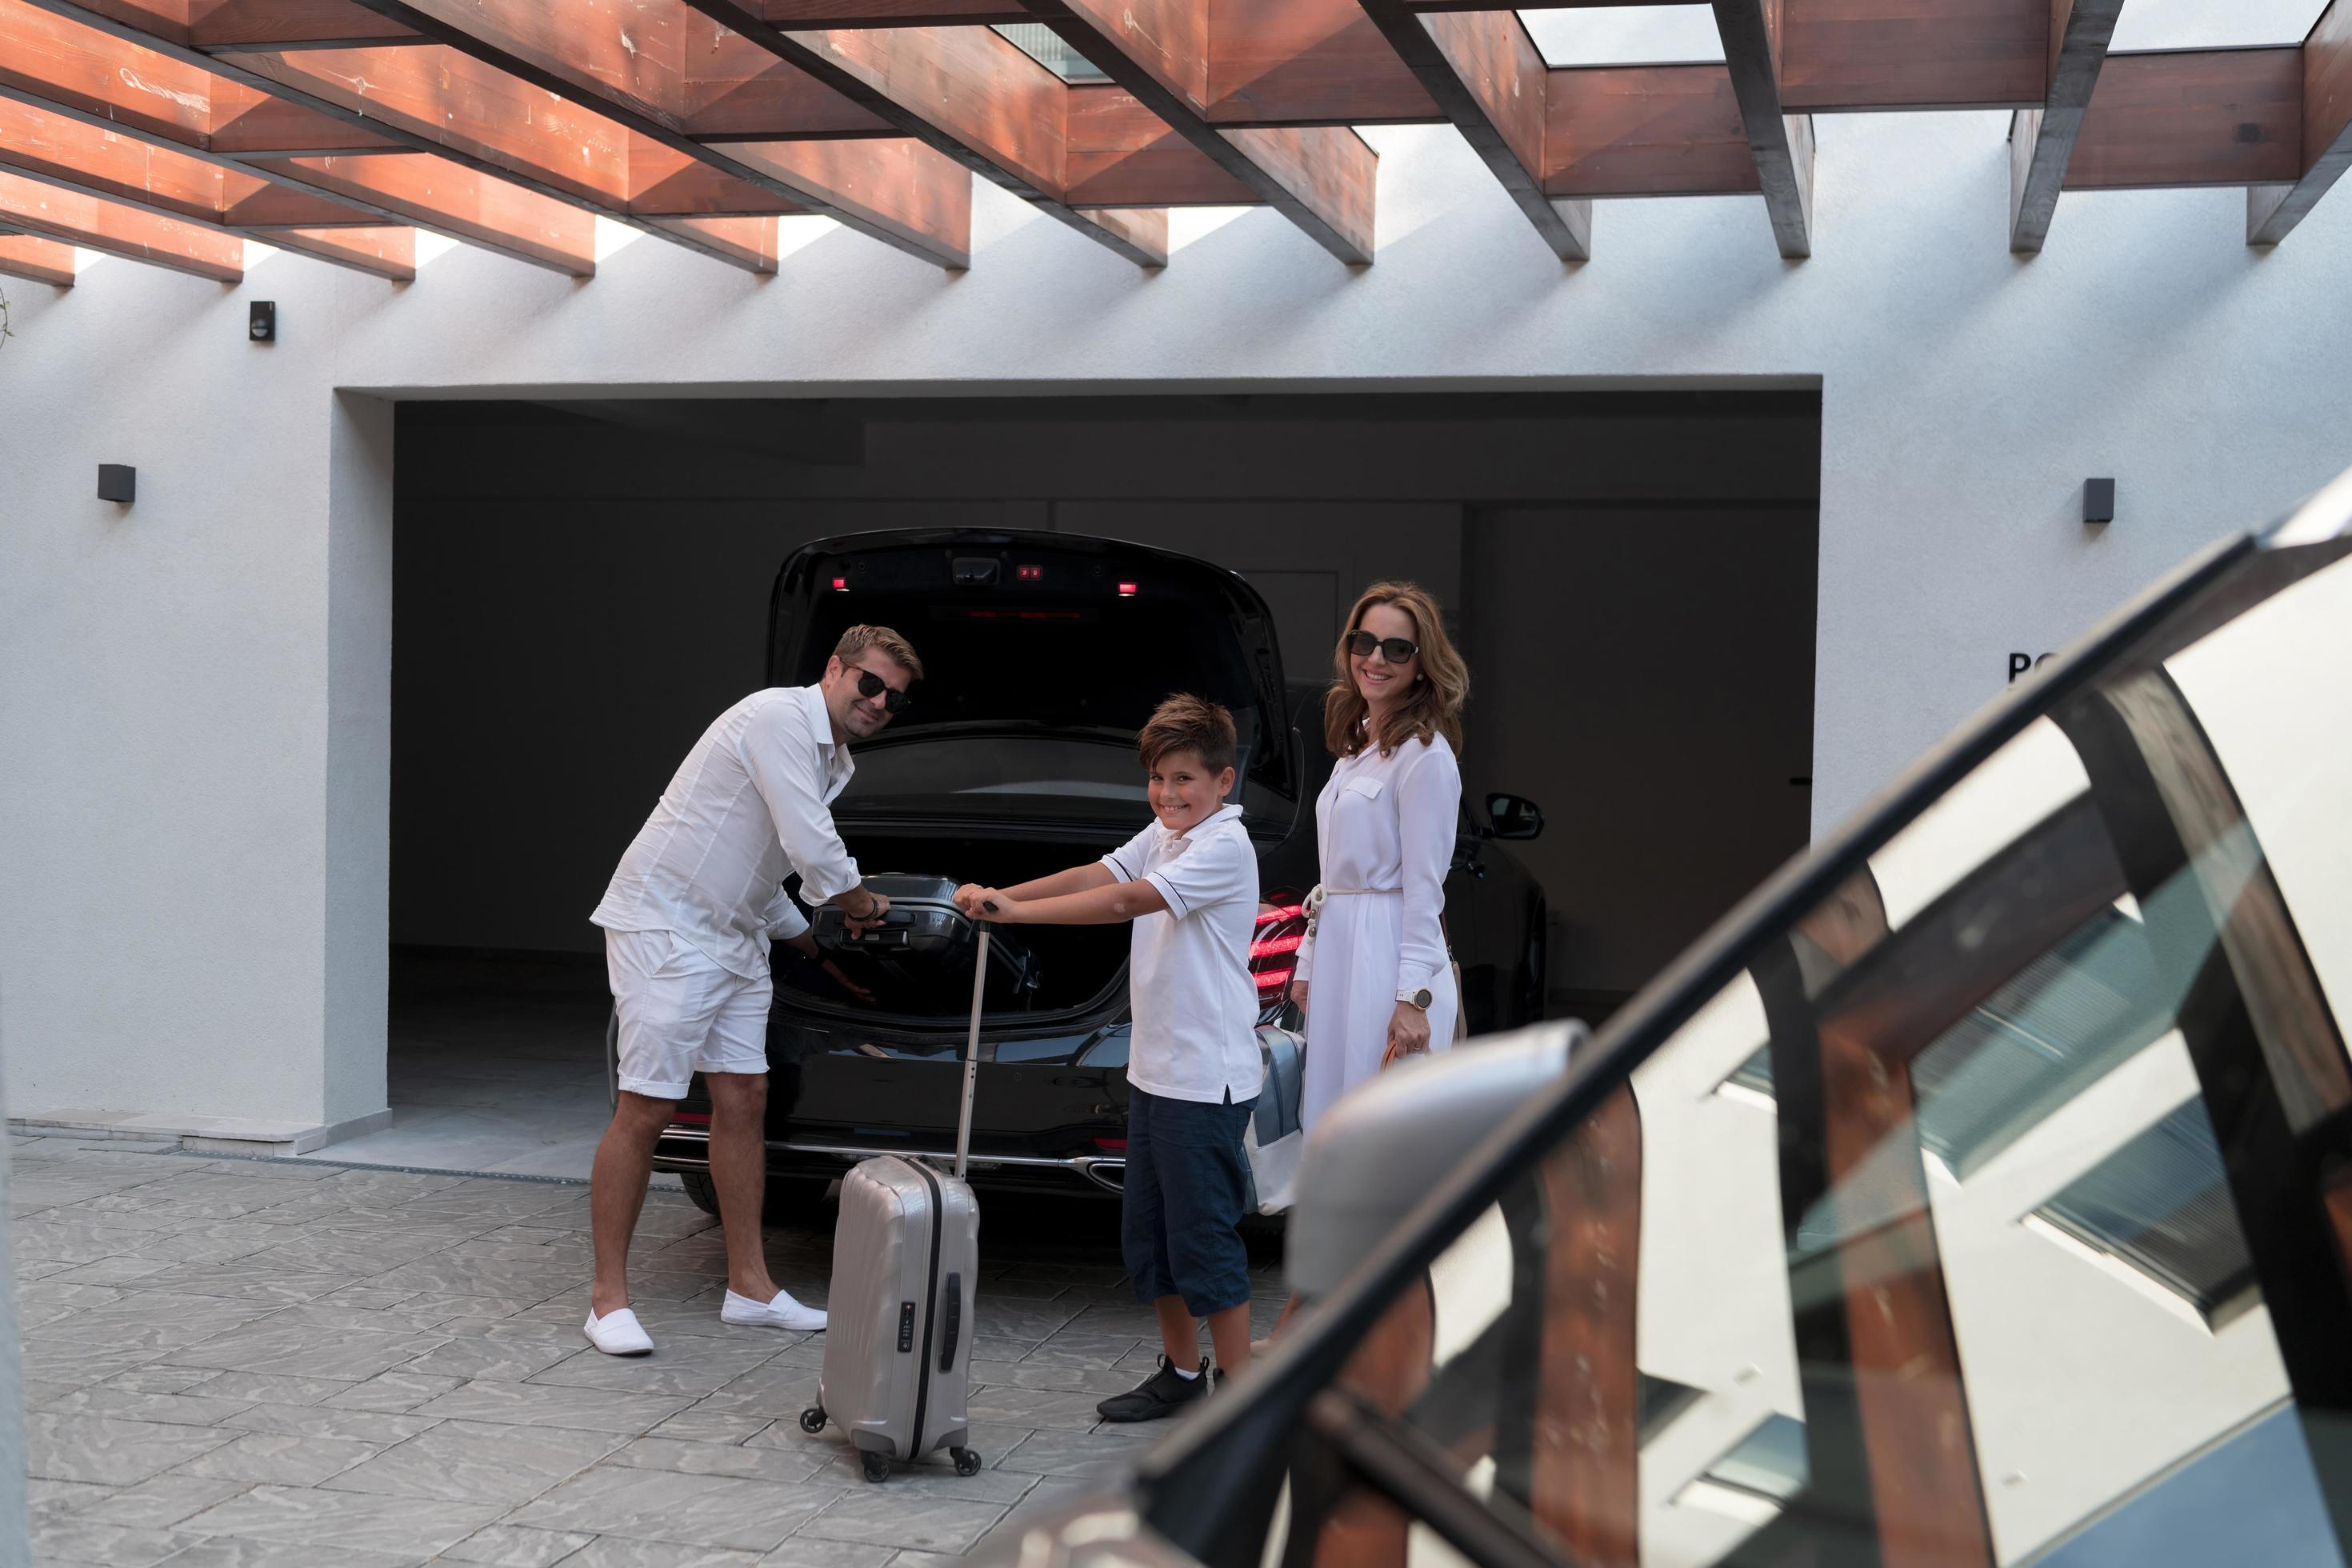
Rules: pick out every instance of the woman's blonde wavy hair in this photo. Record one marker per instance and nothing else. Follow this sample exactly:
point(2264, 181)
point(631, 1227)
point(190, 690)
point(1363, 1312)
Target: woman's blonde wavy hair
point(1435, 708)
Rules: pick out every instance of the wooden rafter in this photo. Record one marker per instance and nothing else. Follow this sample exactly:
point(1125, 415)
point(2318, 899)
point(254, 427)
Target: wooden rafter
point(316, 85)
point(963, 92)
point(1485, 72)
point(1311, 62)
point(627, 68)
point(1861, 55)
point(1645, 130)
point(334, 126)
point(134, 94)
point(74, 156)
point(35, 259)
point(234, 27)
point(74, 218)
point(2205, 117)
point(386, 250)
point(1322, 177)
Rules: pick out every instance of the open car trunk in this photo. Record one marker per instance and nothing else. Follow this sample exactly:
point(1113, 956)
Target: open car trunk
point(1039, 971)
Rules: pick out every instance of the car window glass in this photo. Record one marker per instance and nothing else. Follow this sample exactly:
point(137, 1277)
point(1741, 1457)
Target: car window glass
point(2286, 758)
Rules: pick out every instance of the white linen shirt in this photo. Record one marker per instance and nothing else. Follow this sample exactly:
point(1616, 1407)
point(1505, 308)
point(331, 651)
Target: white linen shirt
point(1194, 1001)
point(750, 803)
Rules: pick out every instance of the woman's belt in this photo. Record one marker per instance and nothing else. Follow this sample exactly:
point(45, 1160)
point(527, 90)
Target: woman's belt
point(1316, 894)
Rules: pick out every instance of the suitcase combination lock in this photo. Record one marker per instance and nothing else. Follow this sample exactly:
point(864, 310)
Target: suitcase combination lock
point(906, 1328)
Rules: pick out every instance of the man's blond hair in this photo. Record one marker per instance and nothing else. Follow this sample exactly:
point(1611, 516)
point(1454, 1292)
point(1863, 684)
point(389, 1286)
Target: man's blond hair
point(858, 639)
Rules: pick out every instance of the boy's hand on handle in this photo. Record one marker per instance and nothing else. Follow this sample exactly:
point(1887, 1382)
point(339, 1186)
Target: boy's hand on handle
point(989, 904)
point(1408, 1034)
point(1298, 997)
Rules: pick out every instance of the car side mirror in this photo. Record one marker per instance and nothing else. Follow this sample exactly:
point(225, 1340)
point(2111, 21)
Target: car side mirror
point(1372, 1158)
point(1514, 816)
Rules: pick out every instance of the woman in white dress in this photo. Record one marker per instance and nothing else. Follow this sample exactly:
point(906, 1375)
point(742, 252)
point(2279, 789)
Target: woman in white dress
point(1375, 961)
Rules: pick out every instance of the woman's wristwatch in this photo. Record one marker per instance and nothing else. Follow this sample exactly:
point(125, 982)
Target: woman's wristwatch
point(1420, 998)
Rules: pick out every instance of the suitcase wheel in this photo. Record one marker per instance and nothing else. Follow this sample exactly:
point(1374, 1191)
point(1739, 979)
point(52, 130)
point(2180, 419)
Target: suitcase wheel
point(967, 1461)
point(813, 1418)
point(877, 1466)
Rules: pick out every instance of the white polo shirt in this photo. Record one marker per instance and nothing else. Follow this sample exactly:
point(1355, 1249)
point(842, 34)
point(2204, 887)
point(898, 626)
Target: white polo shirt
point(1195, 1001)
point(749, 805)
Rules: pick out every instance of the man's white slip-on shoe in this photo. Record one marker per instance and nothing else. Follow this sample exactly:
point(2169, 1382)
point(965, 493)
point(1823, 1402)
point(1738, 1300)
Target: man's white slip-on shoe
point(617, 1333)
point(784, 1312)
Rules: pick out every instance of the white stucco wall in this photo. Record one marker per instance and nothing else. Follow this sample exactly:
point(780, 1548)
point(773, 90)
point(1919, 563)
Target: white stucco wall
point(191, 689)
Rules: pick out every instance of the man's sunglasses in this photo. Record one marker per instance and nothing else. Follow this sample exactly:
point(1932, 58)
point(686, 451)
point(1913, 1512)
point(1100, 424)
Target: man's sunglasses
point(1396, 651)
point(870, 686)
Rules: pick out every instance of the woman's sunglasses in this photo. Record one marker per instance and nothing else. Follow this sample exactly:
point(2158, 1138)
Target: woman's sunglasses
point(870, 686)
point(1396, 651)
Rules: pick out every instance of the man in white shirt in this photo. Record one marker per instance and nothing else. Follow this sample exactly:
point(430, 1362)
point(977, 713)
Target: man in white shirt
point(687, 921)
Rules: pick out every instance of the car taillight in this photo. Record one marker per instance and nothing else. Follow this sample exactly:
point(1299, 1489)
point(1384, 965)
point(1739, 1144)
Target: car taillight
point(690, 1118)
point(1273, 945)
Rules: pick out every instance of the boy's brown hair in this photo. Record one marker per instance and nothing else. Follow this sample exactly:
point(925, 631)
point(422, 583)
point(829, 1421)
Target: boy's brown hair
point(1186, 723)
point(900, 651)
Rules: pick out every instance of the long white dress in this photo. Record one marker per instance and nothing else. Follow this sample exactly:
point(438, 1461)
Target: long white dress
point(1385, 823)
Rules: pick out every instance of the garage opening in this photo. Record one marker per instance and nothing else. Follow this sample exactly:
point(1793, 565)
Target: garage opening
point(580, 587)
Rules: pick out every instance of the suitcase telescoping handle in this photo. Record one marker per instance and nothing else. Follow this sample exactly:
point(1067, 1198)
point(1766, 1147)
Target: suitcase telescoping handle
point(972, 1053)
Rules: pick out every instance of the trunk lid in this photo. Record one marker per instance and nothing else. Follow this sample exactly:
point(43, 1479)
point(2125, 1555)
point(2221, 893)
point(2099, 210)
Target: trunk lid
point(1043, 653)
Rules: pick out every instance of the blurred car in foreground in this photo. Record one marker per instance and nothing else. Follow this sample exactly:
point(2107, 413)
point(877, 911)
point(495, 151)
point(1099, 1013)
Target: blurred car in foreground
point(1978, 1192)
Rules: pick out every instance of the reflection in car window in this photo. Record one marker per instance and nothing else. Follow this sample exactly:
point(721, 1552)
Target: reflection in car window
point(1984, 1216)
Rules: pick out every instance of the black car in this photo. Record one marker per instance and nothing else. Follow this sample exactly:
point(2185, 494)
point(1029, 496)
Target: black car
point(1045, 654)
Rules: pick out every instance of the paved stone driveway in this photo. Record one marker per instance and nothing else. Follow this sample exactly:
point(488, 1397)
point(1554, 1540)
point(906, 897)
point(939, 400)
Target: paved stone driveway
point(236, 1362)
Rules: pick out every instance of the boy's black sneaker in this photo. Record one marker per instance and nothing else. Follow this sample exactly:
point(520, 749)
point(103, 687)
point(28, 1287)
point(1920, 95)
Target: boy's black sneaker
point(1164, 1392)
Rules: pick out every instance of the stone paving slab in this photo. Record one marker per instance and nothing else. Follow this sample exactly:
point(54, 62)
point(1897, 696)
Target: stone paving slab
point(243, 1364)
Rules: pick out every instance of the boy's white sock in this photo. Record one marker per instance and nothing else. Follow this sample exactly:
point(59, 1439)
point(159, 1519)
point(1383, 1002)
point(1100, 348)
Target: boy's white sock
point(1190, 1376)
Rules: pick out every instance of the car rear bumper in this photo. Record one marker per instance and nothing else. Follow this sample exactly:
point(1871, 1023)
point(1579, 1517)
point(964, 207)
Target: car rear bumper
point(688, 1149)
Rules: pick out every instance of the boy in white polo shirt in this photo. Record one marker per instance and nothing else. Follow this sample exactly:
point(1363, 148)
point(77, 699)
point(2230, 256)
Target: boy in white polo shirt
point(1189, 883)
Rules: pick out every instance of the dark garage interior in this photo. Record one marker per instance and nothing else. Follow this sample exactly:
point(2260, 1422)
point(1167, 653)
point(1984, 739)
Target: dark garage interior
point(580, 588)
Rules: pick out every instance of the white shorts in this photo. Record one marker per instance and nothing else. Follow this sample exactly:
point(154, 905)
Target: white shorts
point(682, 1014)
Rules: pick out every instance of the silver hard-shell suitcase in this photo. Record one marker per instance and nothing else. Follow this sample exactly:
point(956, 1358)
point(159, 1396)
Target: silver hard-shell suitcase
point(905, 1254)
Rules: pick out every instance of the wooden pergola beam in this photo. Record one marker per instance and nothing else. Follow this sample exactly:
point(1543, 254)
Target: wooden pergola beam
point(234, 27)
point(1645, 130)
point(77, 73)
point(1483, 70)
point(893, 194)
point(1310, 62)
point(1782, 143)
point(2202, 117)
point(414, 107)
point(964, 92)
point(1322, 178)
point(1840, 56)
point(966, 95)
point(35, 259)
point(888, 13)
point(385, 250)
point(76, 157)
point(449, 199)
point(71, 217)
point(1120, 154)
point(2272, 212)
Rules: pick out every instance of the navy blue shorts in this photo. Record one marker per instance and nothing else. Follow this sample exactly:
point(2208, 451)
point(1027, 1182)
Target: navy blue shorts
point(1187, 1189)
